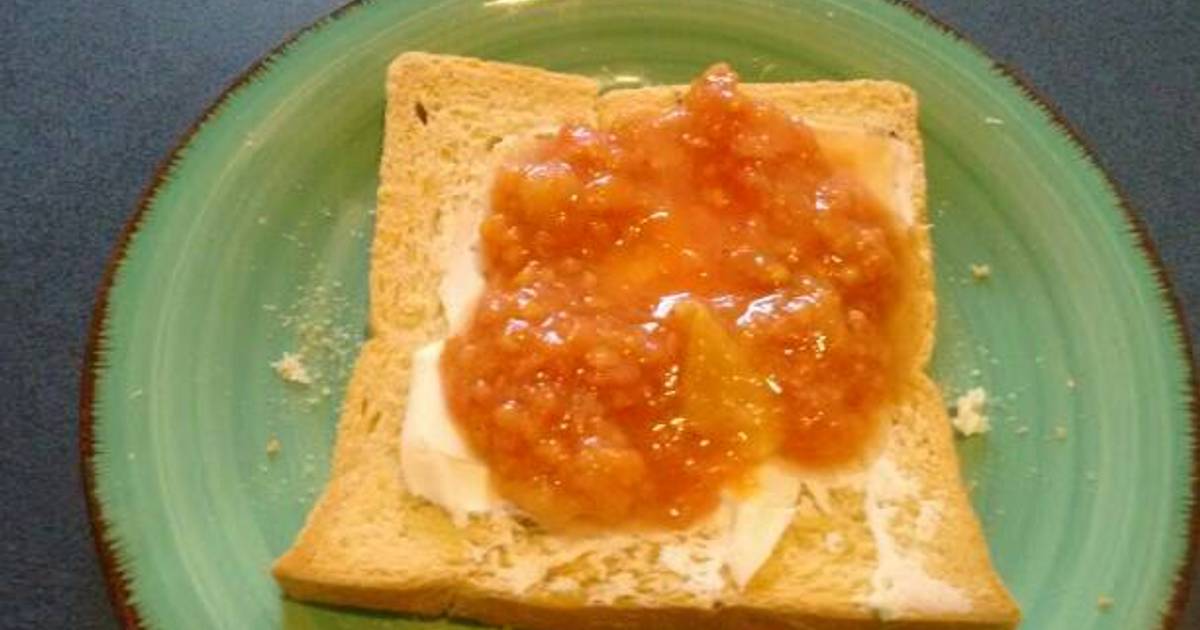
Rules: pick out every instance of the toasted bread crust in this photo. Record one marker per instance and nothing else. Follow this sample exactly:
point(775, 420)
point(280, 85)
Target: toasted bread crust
point(368, 543)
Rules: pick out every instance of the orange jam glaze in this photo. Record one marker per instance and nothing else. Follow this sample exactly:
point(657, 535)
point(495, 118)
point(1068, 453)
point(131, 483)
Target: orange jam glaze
point(669, 304)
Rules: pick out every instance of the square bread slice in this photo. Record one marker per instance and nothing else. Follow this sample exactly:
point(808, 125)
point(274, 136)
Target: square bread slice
point(896, 545)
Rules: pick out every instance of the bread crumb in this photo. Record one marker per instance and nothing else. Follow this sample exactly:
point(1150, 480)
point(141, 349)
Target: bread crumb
point(980, 272)
point(969, 417)
point(1104, 602)
point(992, 120)
point(273, 447)
point(290, 367)
point(1060, 433)
point(1070, 382)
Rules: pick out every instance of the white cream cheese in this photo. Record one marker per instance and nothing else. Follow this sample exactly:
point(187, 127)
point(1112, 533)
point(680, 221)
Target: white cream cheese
point(883, 164)
point(438, 465)
point(760, 519)
point(900, 582)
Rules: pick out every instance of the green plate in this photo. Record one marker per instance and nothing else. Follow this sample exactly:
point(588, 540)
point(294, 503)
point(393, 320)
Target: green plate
point(253, 241)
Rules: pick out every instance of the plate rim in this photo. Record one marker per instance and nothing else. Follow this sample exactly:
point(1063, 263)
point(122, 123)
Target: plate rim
point(117, 584)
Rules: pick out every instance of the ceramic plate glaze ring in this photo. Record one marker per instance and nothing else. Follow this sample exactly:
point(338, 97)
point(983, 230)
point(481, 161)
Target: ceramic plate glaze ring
point(254, 242)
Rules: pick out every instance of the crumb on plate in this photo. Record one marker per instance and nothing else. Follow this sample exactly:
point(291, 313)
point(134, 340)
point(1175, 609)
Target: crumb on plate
point(290, 367)
point(969, 417)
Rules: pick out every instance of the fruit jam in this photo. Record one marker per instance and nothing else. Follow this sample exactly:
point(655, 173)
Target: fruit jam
point(668, 304)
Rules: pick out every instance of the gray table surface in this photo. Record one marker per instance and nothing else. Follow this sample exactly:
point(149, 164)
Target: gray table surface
point(94, 94)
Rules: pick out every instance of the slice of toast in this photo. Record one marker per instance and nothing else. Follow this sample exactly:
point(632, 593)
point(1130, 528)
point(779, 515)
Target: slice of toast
point(895, 543)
